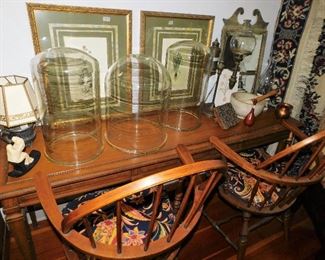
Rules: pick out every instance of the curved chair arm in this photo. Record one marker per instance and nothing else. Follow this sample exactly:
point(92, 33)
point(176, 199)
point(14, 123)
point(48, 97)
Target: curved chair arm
point(231, 155)
point(292, 149)
point(85, 244)
point(258, 172)
point(184, 154)
point(294, 129)
point(47, 199)
point(137, 186)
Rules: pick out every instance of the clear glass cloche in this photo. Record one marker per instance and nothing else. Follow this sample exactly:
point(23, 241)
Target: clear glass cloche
point(67, 87)
point(187, 62)
point(138, 91)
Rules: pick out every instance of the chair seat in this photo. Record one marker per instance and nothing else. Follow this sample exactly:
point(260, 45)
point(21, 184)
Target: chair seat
point(136, 211)
point(240, 184)
point(268, 185)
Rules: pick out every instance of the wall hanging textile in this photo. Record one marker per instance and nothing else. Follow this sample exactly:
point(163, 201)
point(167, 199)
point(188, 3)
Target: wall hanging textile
point(306, 91)
point(290, 26)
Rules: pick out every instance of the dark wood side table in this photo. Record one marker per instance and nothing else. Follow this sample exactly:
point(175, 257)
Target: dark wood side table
point(114, 167)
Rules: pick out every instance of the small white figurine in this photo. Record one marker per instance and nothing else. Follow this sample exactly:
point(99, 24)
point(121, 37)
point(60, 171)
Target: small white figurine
point(15, 152)
point(21, 160)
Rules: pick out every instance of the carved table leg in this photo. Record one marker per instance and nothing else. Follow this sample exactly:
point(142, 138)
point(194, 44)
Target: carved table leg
point(18, 226)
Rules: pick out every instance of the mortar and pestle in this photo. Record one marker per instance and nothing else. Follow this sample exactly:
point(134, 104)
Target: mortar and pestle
point(247, 106)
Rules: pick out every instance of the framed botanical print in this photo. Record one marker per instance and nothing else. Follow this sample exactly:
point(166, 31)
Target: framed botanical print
point(159, 31)
point(103, 33)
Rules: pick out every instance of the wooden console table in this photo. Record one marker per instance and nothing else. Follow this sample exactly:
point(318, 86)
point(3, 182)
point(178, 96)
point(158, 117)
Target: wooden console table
point(114, 167)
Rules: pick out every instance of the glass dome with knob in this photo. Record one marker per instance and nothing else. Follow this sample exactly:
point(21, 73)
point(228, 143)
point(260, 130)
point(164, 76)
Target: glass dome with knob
point(138, 91)
point(242, 44)
point(67, 87)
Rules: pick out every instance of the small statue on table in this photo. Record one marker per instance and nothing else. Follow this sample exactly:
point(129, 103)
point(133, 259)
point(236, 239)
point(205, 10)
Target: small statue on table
point(21, 160)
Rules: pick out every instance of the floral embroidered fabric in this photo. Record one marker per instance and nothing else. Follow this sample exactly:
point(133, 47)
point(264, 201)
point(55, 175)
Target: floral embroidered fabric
point(241, 184)
point(290, 26)
point(136, 212)
point(312, 96)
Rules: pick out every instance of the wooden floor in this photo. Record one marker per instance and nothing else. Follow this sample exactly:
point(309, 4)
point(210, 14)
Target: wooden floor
point(265, 243)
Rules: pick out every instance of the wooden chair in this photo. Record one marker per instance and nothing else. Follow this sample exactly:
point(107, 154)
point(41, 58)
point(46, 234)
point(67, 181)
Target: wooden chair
point(264, 185)
point(112, 212)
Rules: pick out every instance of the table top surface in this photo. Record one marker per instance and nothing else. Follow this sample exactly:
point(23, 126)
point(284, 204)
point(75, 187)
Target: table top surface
point(111, 160)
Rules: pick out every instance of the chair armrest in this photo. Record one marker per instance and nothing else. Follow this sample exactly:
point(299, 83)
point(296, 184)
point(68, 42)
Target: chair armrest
point(184, 154)
point(291, 149)
point(136, 186)
point(47, 199)
point(234, 157)
point(231, 155)
point(294, 129)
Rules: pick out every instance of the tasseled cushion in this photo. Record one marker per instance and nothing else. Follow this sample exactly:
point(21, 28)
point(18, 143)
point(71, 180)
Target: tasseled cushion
point(136, 211)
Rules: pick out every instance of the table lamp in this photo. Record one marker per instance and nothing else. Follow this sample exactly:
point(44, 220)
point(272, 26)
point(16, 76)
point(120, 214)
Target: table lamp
point(242, 44)
point(18, 109)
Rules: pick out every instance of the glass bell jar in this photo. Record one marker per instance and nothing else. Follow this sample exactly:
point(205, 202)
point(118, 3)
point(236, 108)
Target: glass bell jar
point(67, 86)
point(243, 42)
point(137, 95)
point(187, 62)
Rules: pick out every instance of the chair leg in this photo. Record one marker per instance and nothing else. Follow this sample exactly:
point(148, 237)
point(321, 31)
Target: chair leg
point(173, 254)
point(286, 223)
point(217, 224)
point(243, 238)
point(69, 253)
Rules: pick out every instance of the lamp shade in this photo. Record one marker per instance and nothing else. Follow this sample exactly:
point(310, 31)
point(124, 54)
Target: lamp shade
point(18, 104)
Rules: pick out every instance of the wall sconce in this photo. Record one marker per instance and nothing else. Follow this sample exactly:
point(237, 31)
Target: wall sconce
point(216, 67)
point(242, 44)
point(18, 109)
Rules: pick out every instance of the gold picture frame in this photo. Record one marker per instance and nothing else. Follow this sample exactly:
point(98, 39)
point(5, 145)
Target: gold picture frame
point(159, 30)
point(105, 34)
